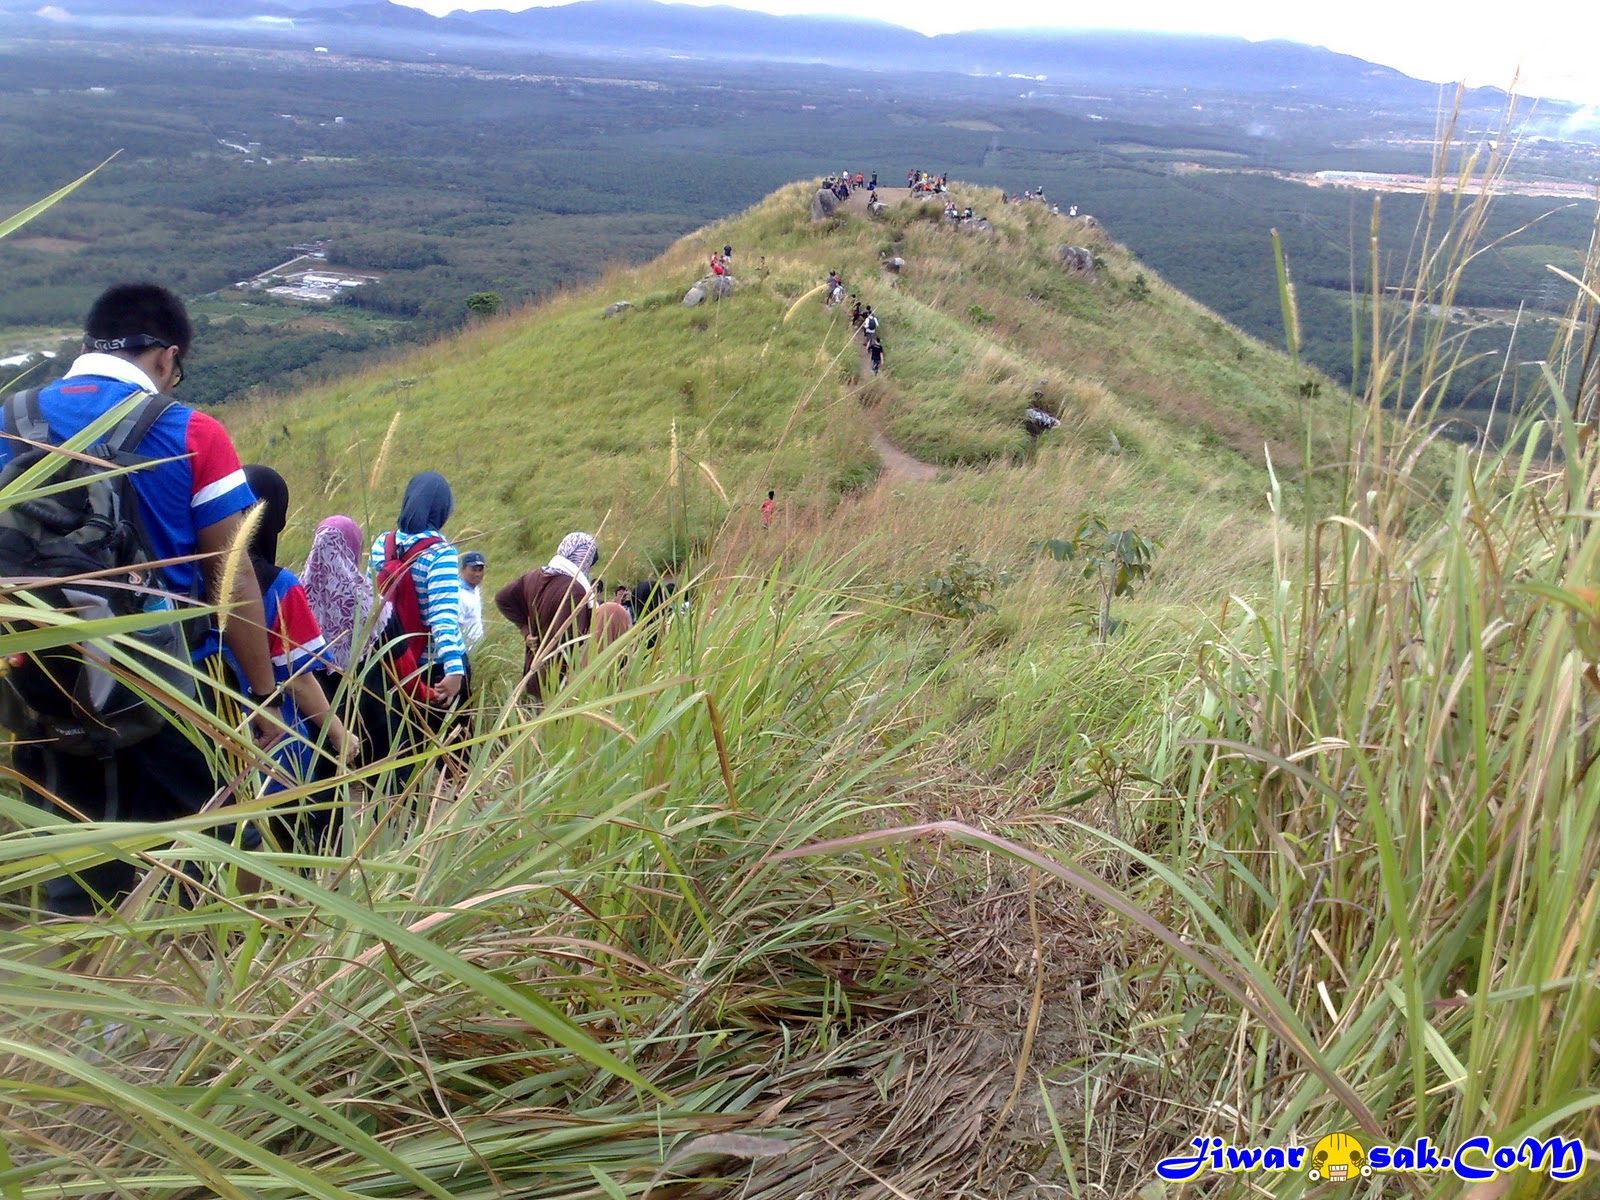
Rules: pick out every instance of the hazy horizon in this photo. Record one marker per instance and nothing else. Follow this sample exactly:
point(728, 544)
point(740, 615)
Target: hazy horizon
point(1550, 56)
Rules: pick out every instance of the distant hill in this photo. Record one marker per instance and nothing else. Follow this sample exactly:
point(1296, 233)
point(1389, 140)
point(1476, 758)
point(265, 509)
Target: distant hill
point(644, 30)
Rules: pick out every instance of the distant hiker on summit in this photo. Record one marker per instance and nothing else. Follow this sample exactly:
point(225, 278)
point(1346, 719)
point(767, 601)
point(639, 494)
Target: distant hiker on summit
point(87, 744)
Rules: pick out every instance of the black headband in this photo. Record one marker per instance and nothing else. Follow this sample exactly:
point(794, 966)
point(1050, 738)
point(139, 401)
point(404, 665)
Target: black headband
point(137, 341)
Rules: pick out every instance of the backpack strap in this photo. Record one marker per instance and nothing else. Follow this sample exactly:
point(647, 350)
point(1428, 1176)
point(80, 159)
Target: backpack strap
point(124, 440)
point(420, 547)
point(23, 418)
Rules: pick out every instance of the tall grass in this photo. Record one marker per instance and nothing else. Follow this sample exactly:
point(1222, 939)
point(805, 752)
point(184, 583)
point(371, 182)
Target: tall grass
point(1364, 892)
point(549, 966)
point(1385, 770)
point(1343, 819)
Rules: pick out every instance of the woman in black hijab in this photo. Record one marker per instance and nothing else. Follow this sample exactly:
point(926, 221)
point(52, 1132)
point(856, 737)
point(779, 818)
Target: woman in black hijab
point(427, 504)
point(296, 643)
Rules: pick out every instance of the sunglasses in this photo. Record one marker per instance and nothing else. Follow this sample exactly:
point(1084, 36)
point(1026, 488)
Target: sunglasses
point(141, 341)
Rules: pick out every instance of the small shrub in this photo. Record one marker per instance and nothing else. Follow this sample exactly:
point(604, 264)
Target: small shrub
point(959, 590)
point(1140, 288)
point(979, 314)
point(1114, 560)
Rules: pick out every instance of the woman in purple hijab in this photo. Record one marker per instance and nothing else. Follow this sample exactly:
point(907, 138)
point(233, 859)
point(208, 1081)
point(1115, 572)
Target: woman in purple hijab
point(340, 594)
point(354, 623)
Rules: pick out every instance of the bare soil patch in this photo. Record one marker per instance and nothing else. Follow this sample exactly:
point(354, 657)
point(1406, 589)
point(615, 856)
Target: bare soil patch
point(50, 245)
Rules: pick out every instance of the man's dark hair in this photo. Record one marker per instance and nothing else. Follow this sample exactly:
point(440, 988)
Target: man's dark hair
point(129, 309)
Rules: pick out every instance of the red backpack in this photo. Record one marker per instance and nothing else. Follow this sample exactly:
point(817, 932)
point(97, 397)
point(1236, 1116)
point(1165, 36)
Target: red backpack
point(409, 634)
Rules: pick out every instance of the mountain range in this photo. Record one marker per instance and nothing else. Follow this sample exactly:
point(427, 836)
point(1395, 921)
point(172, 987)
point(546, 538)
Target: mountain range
point(645, 30)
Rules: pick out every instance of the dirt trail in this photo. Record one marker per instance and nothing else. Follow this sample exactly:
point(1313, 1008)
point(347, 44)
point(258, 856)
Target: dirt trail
point(857, 200)
point(897, 464)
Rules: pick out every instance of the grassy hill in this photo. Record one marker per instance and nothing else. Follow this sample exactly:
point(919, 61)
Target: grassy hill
point(879, 873)
point(556, 418)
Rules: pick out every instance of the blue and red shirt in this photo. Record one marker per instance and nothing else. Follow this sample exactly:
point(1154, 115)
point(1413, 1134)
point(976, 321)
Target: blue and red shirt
point(200, 485)
point(295, 642)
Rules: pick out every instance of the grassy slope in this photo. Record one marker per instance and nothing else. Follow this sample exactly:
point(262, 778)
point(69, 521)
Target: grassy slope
point(554, 419)
point(557, 418)
point(1361, 801)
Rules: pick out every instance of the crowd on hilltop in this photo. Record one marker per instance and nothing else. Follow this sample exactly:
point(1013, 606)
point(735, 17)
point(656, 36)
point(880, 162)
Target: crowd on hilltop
point(1036, 196)
point(358, 656)
point(845, 182)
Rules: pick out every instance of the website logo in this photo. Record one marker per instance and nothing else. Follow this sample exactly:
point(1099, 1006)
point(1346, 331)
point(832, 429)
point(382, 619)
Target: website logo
point(1338, 1158)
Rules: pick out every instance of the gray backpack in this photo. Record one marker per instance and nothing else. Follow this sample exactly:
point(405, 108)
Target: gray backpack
point(83, 549)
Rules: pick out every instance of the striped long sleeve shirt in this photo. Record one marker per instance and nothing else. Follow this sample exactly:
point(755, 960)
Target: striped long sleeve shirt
point(437, 576)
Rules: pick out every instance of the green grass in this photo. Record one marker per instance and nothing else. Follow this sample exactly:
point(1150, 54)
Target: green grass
point(571, 960)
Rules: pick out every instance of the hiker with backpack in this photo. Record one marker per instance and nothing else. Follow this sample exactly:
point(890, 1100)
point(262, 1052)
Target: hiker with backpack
point(87, 744)
point(416, 570)
point(552, 607)
point(318, 741)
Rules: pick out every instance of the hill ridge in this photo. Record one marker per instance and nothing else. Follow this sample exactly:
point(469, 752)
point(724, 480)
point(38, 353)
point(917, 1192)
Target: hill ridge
point(554, 418)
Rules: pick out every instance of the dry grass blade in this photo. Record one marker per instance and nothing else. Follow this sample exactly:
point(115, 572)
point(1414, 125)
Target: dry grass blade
point(811, 295)
point(383, 453)
point(238, 556)
point(711, 478)
point(720, 1145)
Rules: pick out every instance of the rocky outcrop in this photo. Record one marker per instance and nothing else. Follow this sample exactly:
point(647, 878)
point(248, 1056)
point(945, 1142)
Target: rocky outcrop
point(1079, 260)
point(613, 309)
point(877, 207)
point(895, 264)
point(712, 287)
point(823, 205)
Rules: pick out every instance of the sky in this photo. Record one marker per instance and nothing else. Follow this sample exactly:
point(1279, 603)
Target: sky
point(1471, 40)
